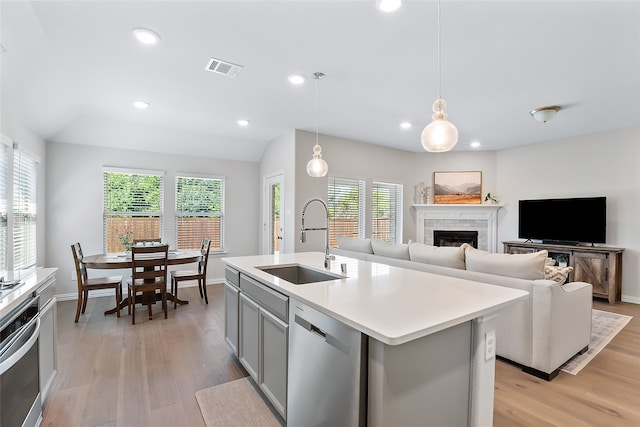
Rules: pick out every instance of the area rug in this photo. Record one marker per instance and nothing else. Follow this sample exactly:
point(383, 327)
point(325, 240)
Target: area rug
point(604, 326)
point(236, 403)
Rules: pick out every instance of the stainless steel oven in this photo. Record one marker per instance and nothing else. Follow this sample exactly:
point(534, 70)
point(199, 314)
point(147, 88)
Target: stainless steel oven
point(19, 366)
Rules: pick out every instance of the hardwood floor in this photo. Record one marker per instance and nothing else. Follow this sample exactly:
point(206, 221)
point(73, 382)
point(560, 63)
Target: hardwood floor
point(112, 373)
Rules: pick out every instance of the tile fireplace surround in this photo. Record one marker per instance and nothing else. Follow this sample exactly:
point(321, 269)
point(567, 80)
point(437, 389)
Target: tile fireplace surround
point(481, 218)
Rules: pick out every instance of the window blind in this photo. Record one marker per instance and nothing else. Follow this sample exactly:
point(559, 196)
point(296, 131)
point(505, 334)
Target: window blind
point(24, 210)
point(133, 207)
point(387, 212)
point(346, 208)
point(4, 205)
point(199, 212)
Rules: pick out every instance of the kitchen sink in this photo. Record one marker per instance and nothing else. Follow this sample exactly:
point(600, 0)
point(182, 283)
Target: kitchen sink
point(298, 274)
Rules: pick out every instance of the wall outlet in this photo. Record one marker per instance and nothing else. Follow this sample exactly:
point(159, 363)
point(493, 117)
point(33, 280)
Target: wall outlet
point(490, 344)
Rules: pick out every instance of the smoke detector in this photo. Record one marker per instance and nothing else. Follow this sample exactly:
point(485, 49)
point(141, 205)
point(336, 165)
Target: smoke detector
point(224, 67)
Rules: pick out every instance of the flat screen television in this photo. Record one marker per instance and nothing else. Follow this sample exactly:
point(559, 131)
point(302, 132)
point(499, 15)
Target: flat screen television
point(568, 221)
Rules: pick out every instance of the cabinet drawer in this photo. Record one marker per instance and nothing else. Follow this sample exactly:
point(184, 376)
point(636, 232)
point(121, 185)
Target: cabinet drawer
point(232, 276)
point(273, 301)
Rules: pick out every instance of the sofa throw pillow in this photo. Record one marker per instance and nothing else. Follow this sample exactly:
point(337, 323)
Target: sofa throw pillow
point(445, 256)
point(557, 274)
point(391, 250)
point(354, 244)
point(522, 266)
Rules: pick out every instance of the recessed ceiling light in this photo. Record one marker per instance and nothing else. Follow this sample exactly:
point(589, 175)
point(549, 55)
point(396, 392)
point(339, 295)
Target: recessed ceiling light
point(475, 144)
point(146, 36)
point(388, 5)
point(243, 122)
point(141, 105)
point(296, 79)
point(406, 125)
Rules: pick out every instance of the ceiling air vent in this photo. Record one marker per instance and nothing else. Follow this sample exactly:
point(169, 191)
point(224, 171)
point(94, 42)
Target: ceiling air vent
point(223, 67)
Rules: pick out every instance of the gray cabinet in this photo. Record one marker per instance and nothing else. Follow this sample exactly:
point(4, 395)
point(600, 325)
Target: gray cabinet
point(231, 307)
point(274, 339)
point(248, 351)
point(47, 344)
point(263, 338)
point(231, 315)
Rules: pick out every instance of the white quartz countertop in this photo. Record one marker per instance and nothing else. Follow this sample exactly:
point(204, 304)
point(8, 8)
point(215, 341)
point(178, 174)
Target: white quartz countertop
point(391, 304)
point(30, 281)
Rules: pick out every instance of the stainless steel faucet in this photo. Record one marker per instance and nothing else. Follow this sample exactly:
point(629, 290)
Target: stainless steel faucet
point(303, 231)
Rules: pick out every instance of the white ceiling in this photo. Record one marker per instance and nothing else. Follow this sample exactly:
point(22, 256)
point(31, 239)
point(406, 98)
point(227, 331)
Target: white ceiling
point(71, 69)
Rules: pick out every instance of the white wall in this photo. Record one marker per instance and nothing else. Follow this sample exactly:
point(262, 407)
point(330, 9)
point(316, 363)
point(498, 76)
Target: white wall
point(74, 202)
point(13, 128)
point(349, 159)
point(596, 165)
point(279, 157)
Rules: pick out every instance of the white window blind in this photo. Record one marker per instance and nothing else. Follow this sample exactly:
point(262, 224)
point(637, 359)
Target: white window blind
point(387, 212)
point(199, 212)
point(133, 207)
point(4, 205)
point(24, 210)
point(346, 208)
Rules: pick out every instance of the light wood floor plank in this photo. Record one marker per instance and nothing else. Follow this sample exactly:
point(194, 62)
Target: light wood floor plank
point(112, 373)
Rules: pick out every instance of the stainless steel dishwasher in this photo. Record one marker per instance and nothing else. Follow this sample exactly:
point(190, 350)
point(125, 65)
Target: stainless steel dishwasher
point(327, 381)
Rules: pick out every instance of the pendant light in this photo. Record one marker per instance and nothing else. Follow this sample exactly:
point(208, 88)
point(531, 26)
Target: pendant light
point(440, 135)
point(317, 167)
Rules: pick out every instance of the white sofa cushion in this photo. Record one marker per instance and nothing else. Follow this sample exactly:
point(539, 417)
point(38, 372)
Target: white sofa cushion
point(391, 250)
point(522, 266)
point(446, 256)
point(355, 244)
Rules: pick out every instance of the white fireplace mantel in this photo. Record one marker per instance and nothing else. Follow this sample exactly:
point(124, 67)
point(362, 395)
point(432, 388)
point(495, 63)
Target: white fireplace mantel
point(480, 217)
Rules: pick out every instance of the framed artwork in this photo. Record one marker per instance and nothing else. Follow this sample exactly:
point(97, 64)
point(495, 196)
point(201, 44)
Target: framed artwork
point(457, 187)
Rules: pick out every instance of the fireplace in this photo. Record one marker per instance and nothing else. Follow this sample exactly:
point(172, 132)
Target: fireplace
point(455, 238)
point(482, 218)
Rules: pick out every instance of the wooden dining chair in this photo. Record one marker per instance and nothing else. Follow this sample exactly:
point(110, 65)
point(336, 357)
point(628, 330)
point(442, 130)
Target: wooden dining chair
point(200, 275)
point(86, 284)
point(148, 275)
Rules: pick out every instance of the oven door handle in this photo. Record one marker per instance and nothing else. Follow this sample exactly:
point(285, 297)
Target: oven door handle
point(12, 355)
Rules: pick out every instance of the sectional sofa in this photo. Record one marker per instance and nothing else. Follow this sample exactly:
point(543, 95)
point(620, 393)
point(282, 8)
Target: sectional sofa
point(540, 333)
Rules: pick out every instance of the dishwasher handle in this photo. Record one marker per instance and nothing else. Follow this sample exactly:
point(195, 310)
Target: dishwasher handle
point(322, 334)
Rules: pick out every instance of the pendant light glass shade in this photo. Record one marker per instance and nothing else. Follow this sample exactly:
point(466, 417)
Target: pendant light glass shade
point(440, 135)
point(317, 167)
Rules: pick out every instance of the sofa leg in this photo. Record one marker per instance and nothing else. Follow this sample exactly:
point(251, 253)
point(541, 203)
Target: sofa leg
point(584, 350)
point(540, 374)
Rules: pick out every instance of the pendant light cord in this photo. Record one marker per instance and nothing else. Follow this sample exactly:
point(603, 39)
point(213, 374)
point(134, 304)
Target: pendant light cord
point(317, 106)
point(439, 56)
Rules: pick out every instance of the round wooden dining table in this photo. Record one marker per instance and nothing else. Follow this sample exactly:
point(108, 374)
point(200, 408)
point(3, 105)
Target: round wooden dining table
point(123, 261)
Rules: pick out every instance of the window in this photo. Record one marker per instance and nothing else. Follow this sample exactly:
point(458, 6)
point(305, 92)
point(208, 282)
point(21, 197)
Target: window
point(4, 182)
point(387, 212)
point(24, 209)
point(199, 212)
point(346, 208)
point(133, 203)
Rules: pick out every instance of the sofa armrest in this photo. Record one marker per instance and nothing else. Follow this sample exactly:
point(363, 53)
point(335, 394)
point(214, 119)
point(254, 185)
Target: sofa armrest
point(561, 322)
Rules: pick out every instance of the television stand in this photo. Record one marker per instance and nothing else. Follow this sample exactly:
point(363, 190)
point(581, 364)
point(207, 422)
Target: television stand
point(599, 265)
point(561, 242)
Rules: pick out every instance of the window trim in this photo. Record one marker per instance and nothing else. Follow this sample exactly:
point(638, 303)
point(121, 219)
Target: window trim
point(399, 211)
point(34, 161)
point(361, 184)
point(222, 178)
point(130, 171)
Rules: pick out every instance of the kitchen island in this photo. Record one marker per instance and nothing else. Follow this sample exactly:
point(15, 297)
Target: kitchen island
point(430, 339)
